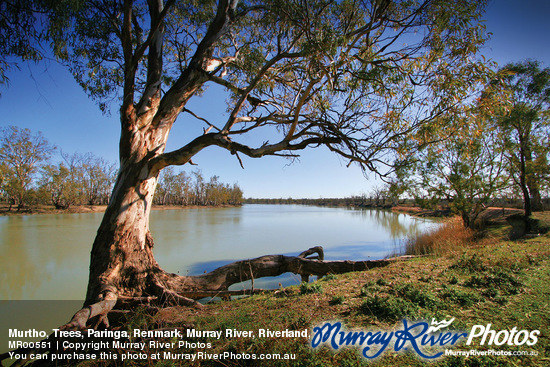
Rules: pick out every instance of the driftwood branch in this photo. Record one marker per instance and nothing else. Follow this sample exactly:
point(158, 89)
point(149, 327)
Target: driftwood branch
point(219, 280)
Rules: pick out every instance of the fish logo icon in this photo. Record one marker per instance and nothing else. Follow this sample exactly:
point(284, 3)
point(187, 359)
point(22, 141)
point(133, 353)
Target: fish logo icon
point(436, 325)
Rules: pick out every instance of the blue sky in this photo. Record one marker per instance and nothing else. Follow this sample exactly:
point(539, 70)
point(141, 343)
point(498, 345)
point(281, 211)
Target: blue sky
point(45, 98)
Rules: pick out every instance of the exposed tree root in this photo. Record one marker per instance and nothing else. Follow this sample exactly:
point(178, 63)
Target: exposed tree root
point(99, 309)
point(170, 289)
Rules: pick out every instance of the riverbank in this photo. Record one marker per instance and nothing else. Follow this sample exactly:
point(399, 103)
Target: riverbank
point(495, 281)
point(50, 209)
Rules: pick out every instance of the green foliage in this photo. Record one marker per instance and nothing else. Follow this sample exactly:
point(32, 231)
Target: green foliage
point(499, 278)
point(381, 282)
point(470, 264)
point(330, 277)
point(337, 300)
point(336, 63)
point(184, 189)
point(61, 184)
point(21, 153)
point(463, 164)
point(460, 297)
point(389, 308)
point(25, 178)
point(310, 288)
point(422, 297)
point(19, 36)
point(518, 99)
point(369, 288)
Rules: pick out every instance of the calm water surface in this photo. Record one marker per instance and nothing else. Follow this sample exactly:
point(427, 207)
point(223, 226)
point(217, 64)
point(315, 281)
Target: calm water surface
point(46, 257)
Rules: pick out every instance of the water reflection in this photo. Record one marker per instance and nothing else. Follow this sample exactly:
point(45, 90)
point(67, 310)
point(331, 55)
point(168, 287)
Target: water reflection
point(47, 256)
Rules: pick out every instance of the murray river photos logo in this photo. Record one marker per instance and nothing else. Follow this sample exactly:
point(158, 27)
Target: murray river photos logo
point(425, 339)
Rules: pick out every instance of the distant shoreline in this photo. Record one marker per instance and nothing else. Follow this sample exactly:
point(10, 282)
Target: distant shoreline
point(80, 209)
point(414, 211)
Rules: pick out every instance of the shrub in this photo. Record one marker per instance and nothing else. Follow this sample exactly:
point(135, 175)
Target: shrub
point(471, 264)
point(499, 279)
point(421, 297)
point(369, 288)
point(308, 288)
point(389, 308)
point(382, 282)
point(460, 297)
point(337, 300)
point(330, 277)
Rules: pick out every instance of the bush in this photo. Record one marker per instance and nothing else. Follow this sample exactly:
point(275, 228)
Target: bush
point(337, 300)
point(421, 297)
point(389, 308)
point(470, 264)
point(460, 297)
point(382, 282)
point(328, 277)
point(499, 279)
point(308, 288)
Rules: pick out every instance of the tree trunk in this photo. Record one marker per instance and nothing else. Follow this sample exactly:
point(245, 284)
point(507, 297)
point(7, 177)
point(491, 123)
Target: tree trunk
point(523, 180)
point(532, 182)
point(122, 256)
point(536, 199)
point(465, 219)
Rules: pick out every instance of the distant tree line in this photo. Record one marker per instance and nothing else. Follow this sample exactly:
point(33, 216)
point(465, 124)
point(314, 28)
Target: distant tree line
point(184, 189)
point(79, 179)
point(378, 197)
point(29, 178)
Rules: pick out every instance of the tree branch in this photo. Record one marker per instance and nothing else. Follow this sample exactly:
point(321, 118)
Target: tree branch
point(194, 75)
point(151, 96)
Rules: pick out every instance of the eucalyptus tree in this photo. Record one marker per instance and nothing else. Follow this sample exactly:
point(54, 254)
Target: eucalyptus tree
point(78, 179)
point(60, 183)
point(21, 153)
point(466, 167)
point(353, 76)
point(183, 189)
point(521, 95)
point(98, 176)
point(18, 35)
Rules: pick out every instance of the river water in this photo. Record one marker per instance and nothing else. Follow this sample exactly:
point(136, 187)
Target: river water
point(46, 257)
